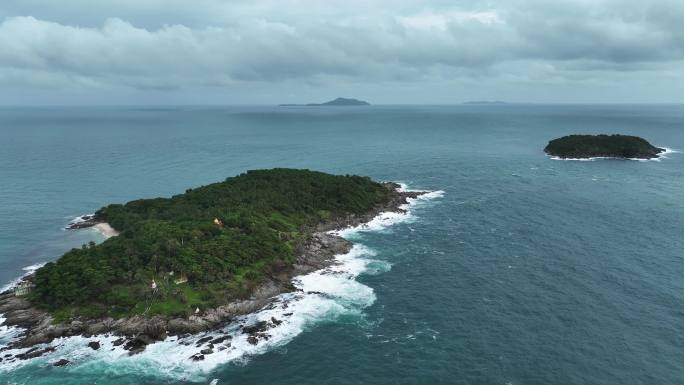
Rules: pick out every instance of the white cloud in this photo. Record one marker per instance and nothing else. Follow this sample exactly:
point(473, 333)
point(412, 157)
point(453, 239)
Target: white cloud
point(441, 20)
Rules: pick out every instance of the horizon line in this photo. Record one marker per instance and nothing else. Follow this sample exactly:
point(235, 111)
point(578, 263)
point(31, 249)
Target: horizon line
point(467, 103)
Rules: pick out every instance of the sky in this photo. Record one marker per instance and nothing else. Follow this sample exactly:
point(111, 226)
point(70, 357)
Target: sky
point(114, 52)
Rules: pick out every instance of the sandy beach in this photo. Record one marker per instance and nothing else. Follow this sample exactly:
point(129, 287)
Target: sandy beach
point(106, 230)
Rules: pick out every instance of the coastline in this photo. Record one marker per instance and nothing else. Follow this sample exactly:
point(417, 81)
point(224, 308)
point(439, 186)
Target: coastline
point(319, 252)
point(661, 155)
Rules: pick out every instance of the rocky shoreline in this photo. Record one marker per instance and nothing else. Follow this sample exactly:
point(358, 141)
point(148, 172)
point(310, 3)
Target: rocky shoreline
point(137, 332)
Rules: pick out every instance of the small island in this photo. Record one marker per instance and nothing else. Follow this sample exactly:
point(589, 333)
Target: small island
point(485, 103)
point(339, 102)
point(602, 146)
point(195, 261)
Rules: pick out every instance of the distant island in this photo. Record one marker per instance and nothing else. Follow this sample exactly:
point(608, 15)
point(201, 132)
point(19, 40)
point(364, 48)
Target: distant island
point(602, 146)
point(337, 102)
point(485, 102)
point(193, 261)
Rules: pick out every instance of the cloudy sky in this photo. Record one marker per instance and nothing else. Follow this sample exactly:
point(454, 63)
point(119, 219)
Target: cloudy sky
point(399, 51)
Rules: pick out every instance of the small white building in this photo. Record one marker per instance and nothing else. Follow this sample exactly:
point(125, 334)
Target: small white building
point(23, 288)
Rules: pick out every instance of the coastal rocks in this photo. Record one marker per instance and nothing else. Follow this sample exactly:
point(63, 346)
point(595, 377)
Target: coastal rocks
point(138, 344)
point(258, 327)
point(203, 340)
point(258, 330)
point(95, 345)
point(61, 362)
point(82, 222)
point(35, 352)
point(99, 327)
point(156, 328)
point(182, 326)
point(319, 251)
point(25, 318)
point(9, 302)
point(133, 325)
point(219, 340)
point(18, 311)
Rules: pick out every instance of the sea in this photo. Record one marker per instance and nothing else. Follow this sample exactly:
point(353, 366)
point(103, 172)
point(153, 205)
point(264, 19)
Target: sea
point(516, 269)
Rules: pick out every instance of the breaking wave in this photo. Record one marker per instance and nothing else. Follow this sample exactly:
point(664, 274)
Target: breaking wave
point(661, 156)
point(28, 271)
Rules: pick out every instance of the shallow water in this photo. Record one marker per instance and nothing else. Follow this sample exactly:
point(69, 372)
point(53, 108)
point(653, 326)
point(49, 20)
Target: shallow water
point(527, 270)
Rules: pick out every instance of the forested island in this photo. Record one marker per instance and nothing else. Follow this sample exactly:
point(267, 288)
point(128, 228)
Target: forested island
point(602, 146)
point(190, 262)
point(338, 102)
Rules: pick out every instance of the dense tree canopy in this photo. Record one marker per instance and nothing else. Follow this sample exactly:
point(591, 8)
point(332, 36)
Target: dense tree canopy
point(587, 146)
point(221, 237)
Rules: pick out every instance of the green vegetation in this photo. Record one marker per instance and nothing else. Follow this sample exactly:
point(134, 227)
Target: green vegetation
point(224, 238)
point(589, 146)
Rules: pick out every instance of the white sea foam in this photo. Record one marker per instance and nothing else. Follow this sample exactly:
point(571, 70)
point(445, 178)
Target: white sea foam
point(322, 296)
point(668, 151)
point(79, 219)
point(661, 156)
point(386, 219)
point(9, 333)
point(28, 271)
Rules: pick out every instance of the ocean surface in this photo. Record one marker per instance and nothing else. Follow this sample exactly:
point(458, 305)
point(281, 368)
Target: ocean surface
point(517, 270)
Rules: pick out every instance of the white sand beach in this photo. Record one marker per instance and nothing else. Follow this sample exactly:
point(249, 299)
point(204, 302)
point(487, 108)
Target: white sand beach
point(106, 230)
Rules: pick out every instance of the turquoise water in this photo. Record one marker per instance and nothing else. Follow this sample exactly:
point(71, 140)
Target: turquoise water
point(526, 270)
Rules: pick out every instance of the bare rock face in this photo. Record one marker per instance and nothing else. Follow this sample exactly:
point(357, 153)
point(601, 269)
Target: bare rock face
point(18, 311)
point(319, 252)
point(100, 326)
point(156, 328)
point(182, 325)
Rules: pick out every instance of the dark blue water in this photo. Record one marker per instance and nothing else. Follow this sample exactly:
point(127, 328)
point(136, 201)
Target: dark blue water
point(527, 271)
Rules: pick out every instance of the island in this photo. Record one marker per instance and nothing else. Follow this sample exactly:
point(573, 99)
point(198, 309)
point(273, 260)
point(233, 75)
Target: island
point(485, 102)
point(196, 260)
point(602, 146)
point(339, 102)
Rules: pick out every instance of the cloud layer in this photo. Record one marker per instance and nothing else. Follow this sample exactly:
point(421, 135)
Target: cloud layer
point(226, 44)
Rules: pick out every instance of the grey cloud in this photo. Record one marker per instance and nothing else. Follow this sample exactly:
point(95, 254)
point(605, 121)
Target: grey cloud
point(221, 44)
